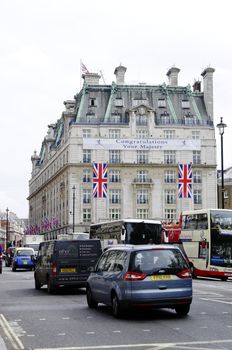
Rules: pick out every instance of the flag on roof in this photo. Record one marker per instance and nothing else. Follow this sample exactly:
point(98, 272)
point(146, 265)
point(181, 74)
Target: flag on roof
point(185, 181)
point(84, 70)
point(100, 180)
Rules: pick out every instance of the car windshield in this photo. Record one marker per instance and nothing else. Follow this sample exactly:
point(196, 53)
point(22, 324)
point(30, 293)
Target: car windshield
point(155, 260)
point(25, 252)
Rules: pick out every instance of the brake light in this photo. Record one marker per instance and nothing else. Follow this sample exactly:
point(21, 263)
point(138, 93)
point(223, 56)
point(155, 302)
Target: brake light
point(134, 276)
point(185, 273)
point(54, 270)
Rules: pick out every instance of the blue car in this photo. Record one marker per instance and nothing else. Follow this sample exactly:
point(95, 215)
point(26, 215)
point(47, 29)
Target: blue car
point(24, 258)
point(128, 276)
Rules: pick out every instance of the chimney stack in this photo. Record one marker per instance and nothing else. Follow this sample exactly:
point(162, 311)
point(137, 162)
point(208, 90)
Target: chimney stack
point(197, 86)
point(173, 76)
point(120, 74)
point(208, 89)
point(91, 78)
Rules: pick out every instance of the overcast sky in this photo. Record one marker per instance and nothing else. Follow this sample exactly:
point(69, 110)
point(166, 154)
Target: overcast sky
point(42, 42)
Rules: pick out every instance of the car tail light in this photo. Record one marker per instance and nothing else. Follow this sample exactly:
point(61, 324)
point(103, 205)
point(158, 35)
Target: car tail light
point(54, 270)
point(185, 273)
point(134, 276)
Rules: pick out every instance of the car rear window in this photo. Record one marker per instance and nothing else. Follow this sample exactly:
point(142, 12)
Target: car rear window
point(25, 252)
point(150, 261)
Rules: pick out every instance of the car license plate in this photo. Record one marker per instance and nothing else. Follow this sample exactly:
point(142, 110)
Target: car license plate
point(68, 269)
point(161, 277)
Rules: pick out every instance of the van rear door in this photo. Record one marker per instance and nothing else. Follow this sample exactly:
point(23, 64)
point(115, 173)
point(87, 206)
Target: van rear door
point(75, 259)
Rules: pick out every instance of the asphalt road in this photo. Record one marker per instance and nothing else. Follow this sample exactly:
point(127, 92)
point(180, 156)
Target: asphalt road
point(31, 319)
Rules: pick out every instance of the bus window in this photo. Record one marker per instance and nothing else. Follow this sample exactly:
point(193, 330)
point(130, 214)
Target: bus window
point(202, 221)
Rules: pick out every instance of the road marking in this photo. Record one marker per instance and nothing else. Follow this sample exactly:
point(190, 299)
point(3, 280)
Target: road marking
point(153, 346)
point(65, 318)
point(13, 338)
point(42, 319)
point(90, 333)
point(30, 335)
point(117, 331)
point(61, 334)
point(217, 301)
point(146, 330)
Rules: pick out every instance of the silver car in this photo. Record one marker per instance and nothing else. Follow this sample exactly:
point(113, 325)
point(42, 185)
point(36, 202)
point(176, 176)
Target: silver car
point(139, 276)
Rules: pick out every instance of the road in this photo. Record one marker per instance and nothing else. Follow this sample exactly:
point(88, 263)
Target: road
point(31, 319)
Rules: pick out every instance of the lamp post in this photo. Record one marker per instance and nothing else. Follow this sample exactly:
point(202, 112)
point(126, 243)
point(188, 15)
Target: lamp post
point(221, 126)
point(73, 211)
point(7, 228)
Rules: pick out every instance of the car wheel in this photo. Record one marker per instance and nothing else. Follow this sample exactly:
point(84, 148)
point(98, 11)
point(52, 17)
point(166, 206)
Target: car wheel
point(182, 310)
point(13, 268)
point(116, 307)
point(224, 278)
point(37, 284)
point(51, 288)
point(92, 304)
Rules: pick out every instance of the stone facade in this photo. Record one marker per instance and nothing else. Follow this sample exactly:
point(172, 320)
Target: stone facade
point(142, 132)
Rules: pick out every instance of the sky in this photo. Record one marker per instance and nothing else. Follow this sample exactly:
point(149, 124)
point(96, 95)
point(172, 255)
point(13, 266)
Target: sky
point(42, 43)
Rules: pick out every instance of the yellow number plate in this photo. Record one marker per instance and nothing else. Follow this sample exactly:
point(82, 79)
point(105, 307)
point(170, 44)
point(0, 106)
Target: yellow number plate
point(161, 277)
point(68, 269)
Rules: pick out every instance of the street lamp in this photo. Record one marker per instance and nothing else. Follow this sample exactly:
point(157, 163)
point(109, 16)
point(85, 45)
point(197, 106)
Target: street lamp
point(221, 126)
point(74, 197)
point(7, 228)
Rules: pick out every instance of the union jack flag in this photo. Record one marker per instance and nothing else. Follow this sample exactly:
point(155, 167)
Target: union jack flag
point(100, 180)
point(185, 181)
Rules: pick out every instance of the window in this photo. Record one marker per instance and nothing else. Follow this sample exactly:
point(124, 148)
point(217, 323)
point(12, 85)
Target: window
point(165, 119)
point(86, 215)
point(169, 134)
point(170, 214)
point(142, 197)
point(197, 177)
point(115, 196)
point(170, 196)
point(142, 176)
point(114, 133)
point(141, 120)
point(195, 135)
point(161, 103)
point(86, 195)
point(114, 214)
point(226, 194)
point(142, 157)
point(114, 156)
point(169, 176)
point(141, 134)
point(142, 213)
point(86, 175)
point(169, 157)
point(188, 119)
point(118, 102)
point(196, 157)
point(86, 133)
point(114, 176)
point(115, 118)
point(197, 197)
point(185, 104)
point(86, 156)
point(92, 102)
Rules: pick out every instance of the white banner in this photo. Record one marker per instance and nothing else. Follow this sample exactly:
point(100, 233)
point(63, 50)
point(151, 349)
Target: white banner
point(142, 144)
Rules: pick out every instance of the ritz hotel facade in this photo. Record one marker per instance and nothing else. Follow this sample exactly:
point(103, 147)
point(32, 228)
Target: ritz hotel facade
point(142, 132)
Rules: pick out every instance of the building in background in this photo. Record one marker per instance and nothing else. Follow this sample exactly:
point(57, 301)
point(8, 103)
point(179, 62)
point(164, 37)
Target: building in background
point(11, 229)
point(140, 133)
point(228, 188)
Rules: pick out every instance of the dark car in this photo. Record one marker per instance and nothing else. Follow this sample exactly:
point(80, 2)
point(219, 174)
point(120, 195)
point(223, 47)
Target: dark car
point(135, 276)
point(65, 263)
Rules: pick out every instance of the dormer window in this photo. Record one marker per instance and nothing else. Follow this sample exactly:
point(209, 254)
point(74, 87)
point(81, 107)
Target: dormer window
point(185, 104)
point(92, 102)
point(188, 119)
point(141, 120)
point(161, 103)
point(165, 119)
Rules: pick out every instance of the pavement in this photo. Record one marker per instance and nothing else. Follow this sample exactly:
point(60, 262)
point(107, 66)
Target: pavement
point(2, 344)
